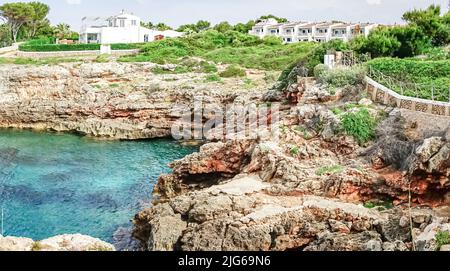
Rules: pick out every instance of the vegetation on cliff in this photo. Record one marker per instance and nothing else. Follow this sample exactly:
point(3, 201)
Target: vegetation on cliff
point(231, 47)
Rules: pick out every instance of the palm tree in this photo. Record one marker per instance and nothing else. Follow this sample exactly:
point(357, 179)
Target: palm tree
point(62, 30)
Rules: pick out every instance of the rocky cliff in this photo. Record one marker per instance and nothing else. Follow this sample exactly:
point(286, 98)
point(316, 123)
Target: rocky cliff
point(108, 100)
point(68, 242)
point(313, 189)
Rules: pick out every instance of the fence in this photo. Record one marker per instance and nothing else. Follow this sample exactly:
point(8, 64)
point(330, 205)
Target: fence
point(383, 95)
point(411, 89)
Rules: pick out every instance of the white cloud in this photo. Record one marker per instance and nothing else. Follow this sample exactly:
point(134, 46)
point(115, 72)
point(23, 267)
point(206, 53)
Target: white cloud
point(73, 2)
point(373, 2)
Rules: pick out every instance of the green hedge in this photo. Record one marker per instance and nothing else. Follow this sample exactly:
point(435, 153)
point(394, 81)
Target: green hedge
point(59, 47)
point(39, 47)
point(414, 77)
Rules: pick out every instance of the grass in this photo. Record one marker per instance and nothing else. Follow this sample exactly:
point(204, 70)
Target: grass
point(387, 204)
point(229, 48)
point(442, 239)
point(177, 70)
point(103, 58)
point(41, 61)
point(232, 71)
point(329, 170)
point(263, 57)
point(213, 78)
point(295, 150)
point(360, 124)
point(414, 77)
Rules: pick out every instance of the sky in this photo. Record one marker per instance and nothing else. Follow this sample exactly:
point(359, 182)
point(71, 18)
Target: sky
point(177, 12)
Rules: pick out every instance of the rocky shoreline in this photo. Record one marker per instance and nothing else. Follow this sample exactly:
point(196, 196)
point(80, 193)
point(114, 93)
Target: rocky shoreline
point(312, 188)
point(108, 100)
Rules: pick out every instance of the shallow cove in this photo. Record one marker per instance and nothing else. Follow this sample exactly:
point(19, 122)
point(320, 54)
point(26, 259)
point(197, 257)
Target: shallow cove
point(53, 184)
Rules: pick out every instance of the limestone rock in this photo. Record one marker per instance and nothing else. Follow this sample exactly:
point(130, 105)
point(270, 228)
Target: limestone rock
point(68, 242)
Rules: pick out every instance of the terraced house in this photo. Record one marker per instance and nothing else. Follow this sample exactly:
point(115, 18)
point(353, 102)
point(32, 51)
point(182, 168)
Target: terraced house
point(307, 31)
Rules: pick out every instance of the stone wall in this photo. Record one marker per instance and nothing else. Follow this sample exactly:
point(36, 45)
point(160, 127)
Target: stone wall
point(381, 94)
point(8, 49)
point(74, 53)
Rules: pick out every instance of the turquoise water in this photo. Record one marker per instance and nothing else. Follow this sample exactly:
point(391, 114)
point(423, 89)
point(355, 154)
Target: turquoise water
point(53, 184)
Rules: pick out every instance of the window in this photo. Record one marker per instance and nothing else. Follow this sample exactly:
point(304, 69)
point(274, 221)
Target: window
point(133, 22)
point(289, 39)
point(122, 23)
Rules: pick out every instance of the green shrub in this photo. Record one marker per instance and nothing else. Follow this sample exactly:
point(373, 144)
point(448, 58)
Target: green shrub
point(438, 53)
point(414, 77)
point(442, 239)
point(340, 77)
point(59, 47)
point(230, 47)
point(167, 50)
point(40, 41)
point(213, 78)
point(207, 67)
point(360, 124)
point(320, 69)
point(329, 170)
point(177, 70)
point(272, 40)
point(103, 58)
point(125, 46)
point(233, 71)
point(295, 150)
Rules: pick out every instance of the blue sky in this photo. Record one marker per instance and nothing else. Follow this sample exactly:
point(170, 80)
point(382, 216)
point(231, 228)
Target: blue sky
point(176, 12)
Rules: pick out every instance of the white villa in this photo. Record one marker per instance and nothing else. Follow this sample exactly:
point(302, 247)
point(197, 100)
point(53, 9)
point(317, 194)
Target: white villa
point(305, 31)
point(122, 28)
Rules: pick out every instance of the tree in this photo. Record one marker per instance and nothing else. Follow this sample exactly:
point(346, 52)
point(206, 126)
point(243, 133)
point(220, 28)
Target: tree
point(244, 28)
point(223, 27)
point(270, 16)
point(379, 43)
point(16, 14)
point(163, 27)
point(62, 31)
point(148, 25)
point(5, 35)
point(412, 40)
point(431, 23)
point(38, 19)
point(202, 25)
point(187, 28)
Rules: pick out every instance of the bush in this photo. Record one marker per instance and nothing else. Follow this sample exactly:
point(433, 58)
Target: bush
point(125, 46)
point(426, 74)
point(59, 47)
point(207, 67)
point(213, 78)
point(167, 50)
point(320, 69)
point(233, 71)
point(442, 239)
point(360, 124)
point(340, 77)
point(398, 41)
point(41, 41)
point(272, 40)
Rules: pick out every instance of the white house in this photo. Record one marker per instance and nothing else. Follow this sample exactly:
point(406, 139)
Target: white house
point(122, 28)
point(304, 31)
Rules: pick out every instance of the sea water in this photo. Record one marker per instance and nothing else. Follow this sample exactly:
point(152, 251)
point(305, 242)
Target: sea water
point(52, 184)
